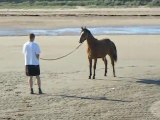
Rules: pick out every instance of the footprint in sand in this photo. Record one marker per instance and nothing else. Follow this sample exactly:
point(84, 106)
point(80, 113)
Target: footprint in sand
point(19, 115)
point(132, 66)
point(28, 105)
point(155, 109)
point(9, 90)
point(18, 92)
point(7, 118)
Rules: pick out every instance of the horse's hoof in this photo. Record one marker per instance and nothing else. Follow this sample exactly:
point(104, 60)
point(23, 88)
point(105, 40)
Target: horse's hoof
point(105, 75)
point(114, 75)
point(89, 77)
point(93, 77)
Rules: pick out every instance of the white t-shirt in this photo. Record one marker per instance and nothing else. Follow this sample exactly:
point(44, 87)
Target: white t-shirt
point(30, 49)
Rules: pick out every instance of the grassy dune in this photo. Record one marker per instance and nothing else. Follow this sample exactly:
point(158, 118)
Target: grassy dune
point(73, 3)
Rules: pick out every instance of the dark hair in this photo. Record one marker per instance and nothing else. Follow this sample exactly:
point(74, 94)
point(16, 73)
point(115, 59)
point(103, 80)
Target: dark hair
point(32, 35)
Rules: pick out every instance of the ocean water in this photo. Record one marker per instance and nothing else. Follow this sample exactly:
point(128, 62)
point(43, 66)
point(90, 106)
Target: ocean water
point(107, 30)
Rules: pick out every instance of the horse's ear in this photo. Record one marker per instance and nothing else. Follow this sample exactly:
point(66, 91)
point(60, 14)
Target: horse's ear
point(82, 28)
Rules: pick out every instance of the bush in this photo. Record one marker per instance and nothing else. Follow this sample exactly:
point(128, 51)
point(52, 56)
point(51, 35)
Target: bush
point(118, 3)
point(41, 3)
point(44, 3)
point(155, 3)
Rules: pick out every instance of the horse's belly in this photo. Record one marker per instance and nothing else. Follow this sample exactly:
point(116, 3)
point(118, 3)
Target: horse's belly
point(101, 53)
point(96, 55)
point(98, 52)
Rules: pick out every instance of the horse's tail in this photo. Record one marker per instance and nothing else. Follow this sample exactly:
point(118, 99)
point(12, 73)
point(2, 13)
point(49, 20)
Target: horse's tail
point(114, 52)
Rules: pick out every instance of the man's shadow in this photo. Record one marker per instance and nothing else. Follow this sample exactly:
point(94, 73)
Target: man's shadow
point(88, 98)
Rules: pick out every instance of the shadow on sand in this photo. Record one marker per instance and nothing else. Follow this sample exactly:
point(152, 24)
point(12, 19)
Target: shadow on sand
point(149, 81)
point(88, 98)
point(144, 81)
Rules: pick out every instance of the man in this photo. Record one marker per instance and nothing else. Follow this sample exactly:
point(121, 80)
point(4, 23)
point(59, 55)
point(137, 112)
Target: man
point(31, 53)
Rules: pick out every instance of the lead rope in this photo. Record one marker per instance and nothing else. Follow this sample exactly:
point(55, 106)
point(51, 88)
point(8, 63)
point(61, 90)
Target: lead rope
point(63, 55)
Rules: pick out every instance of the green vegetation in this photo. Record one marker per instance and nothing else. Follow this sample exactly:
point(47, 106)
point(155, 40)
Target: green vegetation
point(73, 3)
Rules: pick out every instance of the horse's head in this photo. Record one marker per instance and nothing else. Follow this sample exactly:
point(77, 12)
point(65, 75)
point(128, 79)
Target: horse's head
point(84, 34)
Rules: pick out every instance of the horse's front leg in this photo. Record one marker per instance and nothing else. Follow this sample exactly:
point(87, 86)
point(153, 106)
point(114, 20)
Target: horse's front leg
point(95, 62)
point(90, 67)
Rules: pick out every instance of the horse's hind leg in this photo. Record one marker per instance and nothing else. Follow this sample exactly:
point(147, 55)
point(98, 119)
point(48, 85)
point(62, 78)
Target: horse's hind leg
point(112, 62)
point(105, 62)
point(95, 62)
point(90, 67)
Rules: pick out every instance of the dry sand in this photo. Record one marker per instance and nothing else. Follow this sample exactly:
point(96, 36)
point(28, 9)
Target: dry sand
point(68, 94)
point(78, 17)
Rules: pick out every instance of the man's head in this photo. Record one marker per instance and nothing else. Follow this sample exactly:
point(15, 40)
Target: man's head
point(32, 37)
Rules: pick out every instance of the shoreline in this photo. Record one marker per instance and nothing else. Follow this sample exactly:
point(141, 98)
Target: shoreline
point(74, 31)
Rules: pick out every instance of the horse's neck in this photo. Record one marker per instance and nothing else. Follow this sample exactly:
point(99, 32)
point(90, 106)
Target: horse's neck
point(91, 41)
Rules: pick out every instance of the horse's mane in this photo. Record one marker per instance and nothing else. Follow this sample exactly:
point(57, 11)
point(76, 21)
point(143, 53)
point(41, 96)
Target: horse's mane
point(86, 30)
point(89, 32)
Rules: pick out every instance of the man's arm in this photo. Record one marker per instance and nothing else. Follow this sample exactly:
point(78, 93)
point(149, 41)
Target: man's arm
point(38, 51)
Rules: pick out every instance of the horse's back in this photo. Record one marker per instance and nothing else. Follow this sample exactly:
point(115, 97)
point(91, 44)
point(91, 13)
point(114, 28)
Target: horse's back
point(106, 42)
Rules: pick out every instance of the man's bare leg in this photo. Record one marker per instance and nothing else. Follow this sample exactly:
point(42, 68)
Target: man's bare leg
point(31, 84)
point(39, 84)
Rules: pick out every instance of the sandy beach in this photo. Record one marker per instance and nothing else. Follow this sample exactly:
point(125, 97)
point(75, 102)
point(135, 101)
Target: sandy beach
point(68, 93)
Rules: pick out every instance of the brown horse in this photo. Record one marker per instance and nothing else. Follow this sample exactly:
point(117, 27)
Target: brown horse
point(98, 49)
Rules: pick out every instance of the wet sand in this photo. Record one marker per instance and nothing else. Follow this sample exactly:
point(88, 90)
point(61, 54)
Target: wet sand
point(68, 93)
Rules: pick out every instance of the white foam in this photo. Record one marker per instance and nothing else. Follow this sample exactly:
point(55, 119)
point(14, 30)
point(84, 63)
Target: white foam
point(115, 30)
